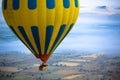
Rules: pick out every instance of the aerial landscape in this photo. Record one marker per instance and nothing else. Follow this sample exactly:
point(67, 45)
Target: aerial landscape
point(82, 66)
point(91, 51)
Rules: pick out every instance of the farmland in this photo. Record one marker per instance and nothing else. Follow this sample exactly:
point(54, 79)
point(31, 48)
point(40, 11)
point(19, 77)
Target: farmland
point(20, 66)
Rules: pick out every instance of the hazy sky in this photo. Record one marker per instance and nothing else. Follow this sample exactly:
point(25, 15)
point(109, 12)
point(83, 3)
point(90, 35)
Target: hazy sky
point(97, 29)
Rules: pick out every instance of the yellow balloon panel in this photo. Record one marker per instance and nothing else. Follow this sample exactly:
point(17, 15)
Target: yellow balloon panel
point(41, 24)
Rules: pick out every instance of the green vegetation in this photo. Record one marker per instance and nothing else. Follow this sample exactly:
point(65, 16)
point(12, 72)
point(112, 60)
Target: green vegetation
point(18, 66)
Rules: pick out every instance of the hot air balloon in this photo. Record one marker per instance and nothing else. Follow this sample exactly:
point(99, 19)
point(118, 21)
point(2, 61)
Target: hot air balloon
point(41, 24)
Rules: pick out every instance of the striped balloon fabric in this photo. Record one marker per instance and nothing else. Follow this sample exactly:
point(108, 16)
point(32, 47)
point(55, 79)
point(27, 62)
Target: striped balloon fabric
point(41, 24)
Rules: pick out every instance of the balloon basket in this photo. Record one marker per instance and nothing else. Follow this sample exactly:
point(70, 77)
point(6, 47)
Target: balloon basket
point(43, 67)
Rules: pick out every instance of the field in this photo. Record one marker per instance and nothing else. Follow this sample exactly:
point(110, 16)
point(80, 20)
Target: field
point(67, 63)
point(10, 69)
point(72, 76)
point(19, 66)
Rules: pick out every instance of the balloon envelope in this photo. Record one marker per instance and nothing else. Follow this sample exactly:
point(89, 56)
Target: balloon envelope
point(41, 24)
